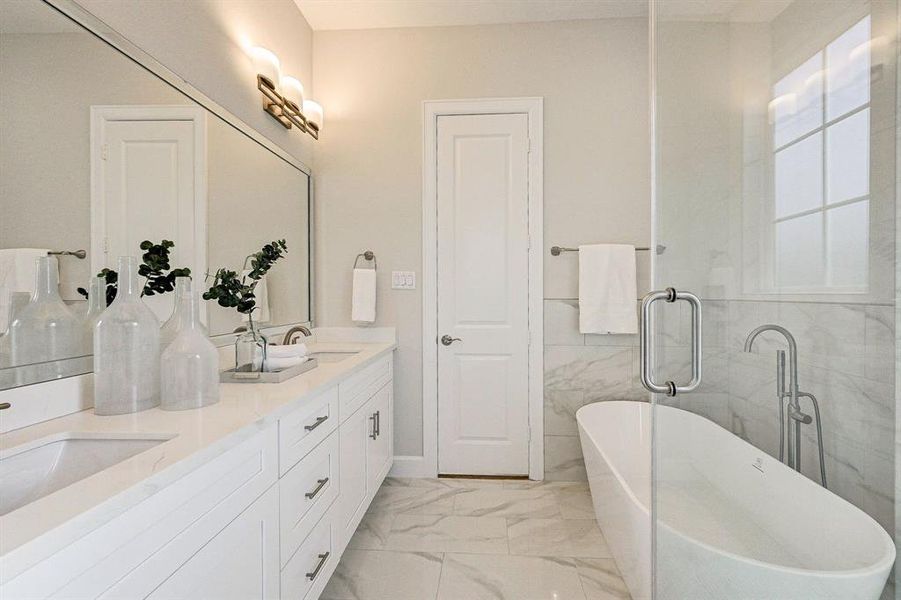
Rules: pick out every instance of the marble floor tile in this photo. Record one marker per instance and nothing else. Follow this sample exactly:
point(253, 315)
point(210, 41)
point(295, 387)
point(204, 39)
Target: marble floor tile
point(436, 533)
point(415, 500)
point(443, 483)
point(601, 579)
point(575, 502)
point(372, 532)
point(483, 577)
point(523, 503)
point(383, 575)
point(557, 538)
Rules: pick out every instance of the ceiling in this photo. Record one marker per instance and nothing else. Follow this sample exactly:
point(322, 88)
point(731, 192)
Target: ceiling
point(379, 14)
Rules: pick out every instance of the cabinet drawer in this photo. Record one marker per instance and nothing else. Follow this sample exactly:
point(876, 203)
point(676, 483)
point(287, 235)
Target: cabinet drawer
point(300, 431)
point(306, 493)
point(357, 389)
point(307, 572)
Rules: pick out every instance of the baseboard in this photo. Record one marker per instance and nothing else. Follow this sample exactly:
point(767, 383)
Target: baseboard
point(411, 466)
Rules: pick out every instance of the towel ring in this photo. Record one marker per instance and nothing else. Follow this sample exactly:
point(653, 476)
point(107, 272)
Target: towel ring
point(367, 256)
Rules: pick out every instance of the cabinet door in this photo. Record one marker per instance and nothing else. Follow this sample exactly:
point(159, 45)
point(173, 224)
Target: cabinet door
point(379, 442)
point(240, 563)
point(352, 500)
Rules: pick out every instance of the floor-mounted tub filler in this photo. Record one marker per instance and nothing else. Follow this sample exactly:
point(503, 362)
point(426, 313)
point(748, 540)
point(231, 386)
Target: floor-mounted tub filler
point(732, 522)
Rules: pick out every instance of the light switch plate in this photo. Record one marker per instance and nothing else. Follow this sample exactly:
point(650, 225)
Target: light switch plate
point(403, 280)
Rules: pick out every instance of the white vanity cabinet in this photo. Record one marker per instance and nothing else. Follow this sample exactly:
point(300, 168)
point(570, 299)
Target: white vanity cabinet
point(265, 517)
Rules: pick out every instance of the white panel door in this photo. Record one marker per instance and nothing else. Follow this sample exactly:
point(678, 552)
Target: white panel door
point(148, 175)
point(483, 287)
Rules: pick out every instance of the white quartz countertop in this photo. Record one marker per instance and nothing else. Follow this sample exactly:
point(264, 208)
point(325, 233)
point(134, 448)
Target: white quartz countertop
point(198, 436)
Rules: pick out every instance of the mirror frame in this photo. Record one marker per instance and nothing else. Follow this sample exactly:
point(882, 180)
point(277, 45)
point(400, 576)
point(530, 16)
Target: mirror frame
point(117, 42)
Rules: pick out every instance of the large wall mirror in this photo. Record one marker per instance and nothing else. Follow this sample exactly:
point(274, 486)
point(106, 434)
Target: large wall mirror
point(97, 153)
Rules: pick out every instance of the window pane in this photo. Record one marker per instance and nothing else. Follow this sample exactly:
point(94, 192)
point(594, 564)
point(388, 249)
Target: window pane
point(799, 176)
point(799, 252)
point(849, 228)
point(848, 70)
point(848, 158)
point(797, 105)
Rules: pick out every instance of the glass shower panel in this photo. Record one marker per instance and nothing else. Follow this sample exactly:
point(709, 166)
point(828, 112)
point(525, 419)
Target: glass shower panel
point(775, 197)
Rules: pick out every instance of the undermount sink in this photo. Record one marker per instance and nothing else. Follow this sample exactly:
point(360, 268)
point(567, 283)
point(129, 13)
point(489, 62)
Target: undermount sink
point(53, 463)
point(333, 357)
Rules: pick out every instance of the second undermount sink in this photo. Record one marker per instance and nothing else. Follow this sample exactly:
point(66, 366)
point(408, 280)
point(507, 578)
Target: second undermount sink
point(326, 356)
point(51, 464)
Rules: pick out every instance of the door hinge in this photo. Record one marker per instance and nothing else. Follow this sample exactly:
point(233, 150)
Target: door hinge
point(104, 151)
point(105, 245)
point(529, 145)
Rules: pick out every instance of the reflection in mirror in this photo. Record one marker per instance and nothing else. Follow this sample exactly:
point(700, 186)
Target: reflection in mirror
point(125, 158)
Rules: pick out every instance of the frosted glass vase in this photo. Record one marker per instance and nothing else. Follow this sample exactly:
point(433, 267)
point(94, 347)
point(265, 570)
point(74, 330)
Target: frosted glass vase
point(126, 350)
point(45, 329)
point(190, 363)
point(96, 306)
point(171, 327)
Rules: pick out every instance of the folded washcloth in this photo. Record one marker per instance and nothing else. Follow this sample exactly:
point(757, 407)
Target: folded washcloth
point(274, 363)
point(286, 351)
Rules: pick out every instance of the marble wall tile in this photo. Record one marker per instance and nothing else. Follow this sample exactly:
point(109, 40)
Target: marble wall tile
point(560, 408)
point(599, 371)
point(880, 343)
point(563, 460)
point(561, 323)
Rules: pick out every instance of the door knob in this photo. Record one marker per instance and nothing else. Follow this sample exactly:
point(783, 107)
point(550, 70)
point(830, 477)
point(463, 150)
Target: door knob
point(448, 340)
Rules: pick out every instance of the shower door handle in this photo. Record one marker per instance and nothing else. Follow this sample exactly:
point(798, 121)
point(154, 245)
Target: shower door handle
point(670, 388)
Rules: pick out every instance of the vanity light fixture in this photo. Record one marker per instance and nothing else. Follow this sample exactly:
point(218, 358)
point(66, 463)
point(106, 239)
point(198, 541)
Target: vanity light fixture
point(283, 96)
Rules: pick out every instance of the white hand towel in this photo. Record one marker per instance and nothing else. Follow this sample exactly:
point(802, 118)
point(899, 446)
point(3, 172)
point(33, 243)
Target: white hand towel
point(363, 308)
point(286, 351)
point(17, 274)
point(261, 292)
point(608, 289)
point(274, 364)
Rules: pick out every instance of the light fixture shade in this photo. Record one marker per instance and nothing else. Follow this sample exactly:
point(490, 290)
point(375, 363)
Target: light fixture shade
point(292, 89)
point(266, 63)
point(313, 112)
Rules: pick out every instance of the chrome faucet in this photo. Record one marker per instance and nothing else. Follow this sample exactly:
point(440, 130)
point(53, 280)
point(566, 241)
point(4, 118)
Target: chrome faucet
point(289, 335)
point(793, 394)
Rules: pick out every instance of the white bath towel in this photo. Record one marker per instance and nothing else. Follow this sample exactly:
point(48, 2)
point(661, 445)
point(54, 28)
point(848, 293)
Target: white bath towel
point(608, 289)
point(286, 351)
point(274, 364)
point(17, 274)
point(363, 303)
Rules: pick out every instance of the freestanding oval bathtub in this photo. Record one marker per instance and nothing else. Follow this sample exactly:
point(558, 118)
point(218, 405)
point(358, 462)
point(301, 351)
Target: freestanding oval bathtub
point(732, 522)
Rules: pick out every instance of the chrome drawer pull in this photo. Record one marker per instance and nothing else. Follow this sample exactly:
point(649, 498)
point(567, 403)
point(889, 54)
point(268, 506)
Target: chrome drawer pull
point(374, 418)
point(318, 489)
point(322, 559)
point(319, 421)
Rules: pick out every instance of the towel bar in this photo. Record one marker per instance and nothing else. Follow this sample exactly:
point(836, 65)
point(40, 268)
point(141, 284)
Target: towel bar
point(367, 256)
point(76, 253)
point(557, 250)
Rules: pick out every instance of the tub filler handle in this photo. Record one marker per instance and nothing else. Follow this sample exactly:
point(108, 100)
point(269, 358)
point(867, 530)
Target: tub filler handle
point(670, 388)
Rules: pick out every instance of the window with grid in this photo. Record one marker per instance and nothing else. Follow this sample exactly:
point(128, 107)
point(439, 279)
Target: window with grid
point(821, 169)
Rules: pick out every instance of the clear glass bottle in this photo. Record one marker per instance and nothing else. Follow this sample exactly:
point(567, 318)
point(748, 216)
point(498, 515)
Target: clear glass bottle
point(189, 368)
point(126, 349)
point(250, 352)
point(45, 329)
point(96, 306)
point(180, 313)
